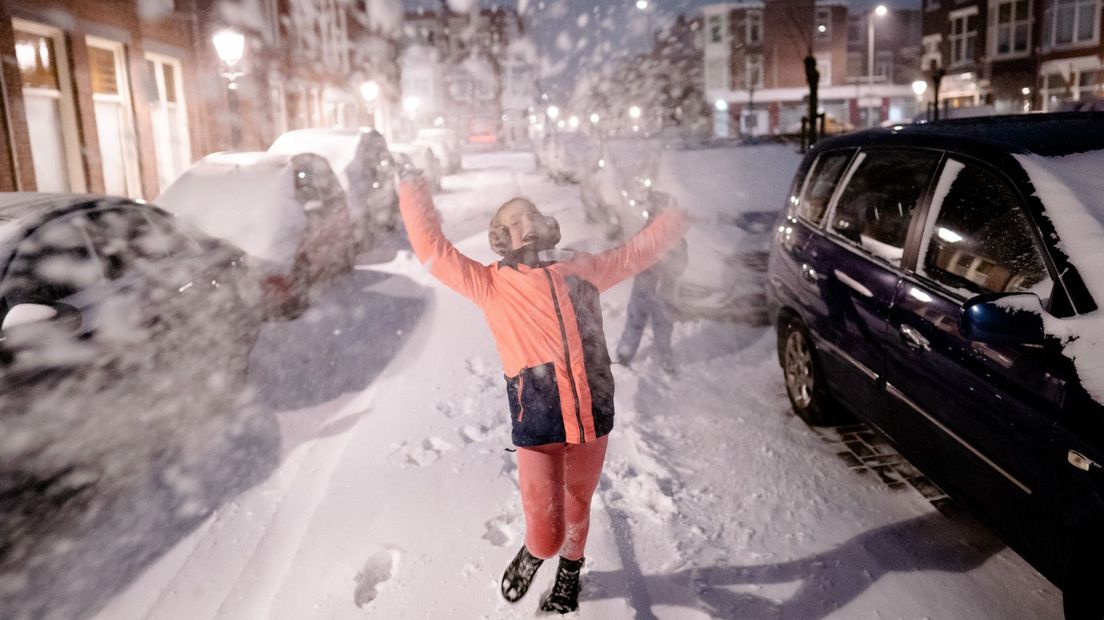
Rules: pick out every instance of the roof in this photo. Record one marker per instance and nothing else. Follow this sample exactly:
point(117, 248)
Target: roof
point(1049, 135)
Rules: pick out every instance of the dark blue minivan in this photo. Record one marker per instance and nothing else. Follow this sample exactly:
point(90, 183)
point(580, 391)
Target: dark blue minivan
point(937, 281)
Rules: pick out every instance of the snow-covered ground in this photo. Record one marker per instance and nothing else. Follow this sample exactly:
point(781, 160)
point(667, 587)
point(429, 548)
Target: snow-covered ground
point(395, 497)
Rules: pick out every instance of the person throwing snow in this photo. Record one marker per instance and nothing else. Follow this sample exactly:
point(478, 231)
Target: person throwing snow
point(542, 307)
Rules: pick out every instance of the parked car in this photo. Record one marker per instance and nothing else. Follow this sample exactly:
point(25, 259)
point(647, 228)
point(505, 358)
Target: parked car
point(422, 157)
point(287, 211)
point(445, 145)
point(942, 282)
point(123, 349)
point(363, 166)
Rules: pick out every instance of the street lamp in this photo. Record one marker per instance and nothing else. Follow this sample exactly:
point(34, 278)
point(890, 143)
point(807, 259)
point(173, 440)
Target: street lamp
point(642, 5)
point(573, 122)
point(230, 47)
point(553, 112)
point(594, 118)
point(634, 112)
point(879, 11)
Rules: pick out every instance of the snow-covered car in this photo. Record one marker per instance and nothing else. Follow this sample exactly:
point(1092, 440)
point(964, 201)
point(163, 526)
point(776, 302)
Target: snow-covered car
point(445, 144)
point(943, 282)
point(287, 211)
point(363, 166)
point(422, 157)
point(722, 187)
point(123, 348)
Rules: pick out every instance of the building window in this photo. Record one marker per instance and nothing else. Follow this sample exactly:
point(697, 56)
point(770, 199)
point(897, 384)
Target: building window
point(963, 36)
point(1072, 22)
point(754, 27)
point(1082, 83)
point(823, 24)
point(855, 65)
point(1012, 27)
point(716, 74)
point(824, 67)
point(753, 77)
point(931, 52)
point(716, 29)
point(883, 65)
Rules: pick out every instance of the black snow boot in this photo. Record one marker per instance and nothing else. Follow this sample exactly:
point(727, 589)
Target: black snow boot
point(519, 575)
point(564, 596)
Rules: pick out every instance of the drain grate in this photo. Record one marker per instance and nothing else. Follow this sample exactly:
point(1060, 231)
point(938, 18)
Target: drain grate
point(866, 453)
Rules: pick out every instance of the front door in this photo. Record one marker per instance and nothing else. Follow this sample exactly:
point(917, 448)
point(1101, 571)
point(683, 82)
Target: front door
point(975, 414)
point(856, 266)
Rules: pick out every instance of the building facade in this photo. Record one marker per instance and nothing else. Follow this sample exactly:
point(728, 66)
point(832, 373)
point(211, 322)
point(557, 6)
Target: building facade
point(754, 55)
point(1009, 56)
point(120, 96)
point(472, 72)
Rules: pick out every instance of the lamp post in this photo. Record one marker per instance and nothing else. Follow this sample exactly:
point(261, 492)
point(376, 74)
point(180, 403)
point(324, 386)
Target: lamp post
point(879, 11)
point(230, 47)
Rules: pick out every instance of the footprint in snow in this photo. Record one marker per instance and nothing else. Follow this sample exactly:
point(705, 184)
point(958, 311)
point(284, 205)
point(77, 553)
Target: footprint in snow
point(475, 434)
point(447, 409)
point(375, 576)
point(501, 530)
point(420, 455)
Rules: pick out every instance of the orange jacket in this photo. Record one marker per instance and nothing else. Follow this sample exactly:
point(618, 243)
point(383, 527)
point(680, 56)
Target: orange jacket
point(546, 321)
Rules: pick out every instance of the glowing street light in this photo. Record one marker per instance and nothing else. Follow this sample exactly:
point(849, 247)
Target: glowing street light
point(920, 87)
point(553, 112)
point(573, 122)
point(642, 5)
point(411, 105)
point(634, 112)
point(721, 105)
point(594, 118)
point(370, 91)
point(230, 46)
point(881, 10)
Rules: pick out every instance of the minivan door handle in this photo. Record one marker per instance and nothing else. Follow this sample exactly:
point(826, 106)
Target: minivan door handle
point(1080, 461)
point(912, 338)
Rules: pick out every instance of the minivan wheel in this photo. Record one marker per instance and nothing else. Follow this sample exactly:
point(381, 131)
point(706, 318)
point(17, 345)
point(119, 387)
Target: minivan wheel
point(804, 382)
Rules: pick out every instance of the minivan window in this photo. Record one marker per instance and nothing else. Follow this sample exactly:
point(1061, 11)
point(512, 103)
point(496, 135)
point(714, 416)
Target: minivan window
point(823, 179)
point(981, 240)
point(875, 208)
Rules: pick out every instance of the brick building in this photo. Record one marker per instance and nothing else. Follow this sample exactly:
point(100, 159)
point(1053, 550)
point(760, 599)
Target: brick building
point(472, 72)
point(754, 55)
point(1015, 55)
point(120, 96)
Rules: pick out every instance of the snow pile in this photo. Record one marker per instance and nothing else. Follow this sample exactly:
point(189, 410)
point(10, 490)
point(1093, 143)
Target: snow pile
point(1071, 189)
point(247, 199)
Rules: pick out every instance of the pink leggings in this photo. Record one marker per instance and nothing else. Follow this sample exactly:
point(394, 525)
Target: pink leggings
point(557, 483)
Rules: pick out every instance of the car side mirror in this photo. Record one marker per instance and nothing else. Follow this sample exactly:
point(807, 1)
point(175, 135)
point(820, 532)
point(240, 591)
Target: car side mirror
point(1003, 318)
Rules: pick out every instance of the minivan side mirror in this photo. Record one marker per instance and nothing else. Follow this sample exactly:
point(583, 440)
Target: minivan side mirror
point(1003, 318)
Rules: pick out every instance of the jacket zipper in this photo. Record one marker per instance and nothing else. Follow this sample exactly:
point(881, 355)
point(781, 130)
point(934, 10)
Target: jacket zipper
point(567, 356)
point(521, 389)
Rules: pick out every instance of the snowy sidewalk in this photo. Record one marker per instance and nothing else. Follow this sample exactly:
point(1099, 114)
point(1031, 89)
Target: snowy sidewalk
point(398, 499)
